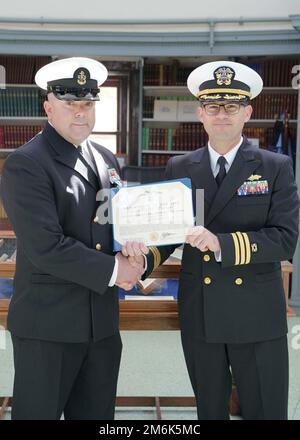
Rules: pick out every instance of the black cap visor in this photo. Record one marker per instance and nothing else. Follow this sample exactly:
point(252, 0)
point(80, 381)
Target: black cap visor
point(75, 94)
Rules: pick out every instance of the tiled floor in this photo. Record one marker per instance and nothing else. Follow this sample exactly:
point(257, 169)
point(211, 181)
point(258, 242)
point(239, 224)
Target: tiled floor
point(153, 365)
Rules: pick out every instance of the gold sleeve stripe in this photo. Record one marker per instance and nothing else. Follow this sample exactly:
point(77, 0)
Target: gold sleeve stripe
point(242, 247)
point(248, 248)
point(156, 257)
point(236, 248)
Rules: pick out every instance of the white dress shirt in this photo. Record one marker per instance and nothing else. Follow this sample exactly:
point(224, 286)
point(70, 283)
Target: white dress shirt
point(89, 160)
point(213, 157)
point(230, 156)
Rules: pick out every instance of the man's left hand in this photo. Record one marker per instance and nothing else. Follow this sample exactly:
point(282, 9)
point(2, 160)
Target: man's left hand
point(203, 239)
point(134, 249)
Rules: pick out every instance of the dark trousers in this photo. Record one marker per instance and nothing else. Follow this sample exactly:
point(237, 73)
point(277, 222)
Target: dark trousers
point(76, 379)
point(260, 371)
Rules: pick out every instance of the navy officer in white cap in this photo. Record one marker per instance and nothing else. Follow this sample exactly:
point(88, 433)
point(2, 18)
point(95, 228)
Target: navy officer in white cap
point(63, 316)
point(231, 299)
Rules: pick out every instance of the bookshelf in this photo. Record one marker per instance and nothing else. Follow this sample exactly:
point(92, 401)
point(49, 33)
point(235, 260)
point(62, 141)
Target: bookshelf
point(164, 136)
point(21, 115)
point(21, 110)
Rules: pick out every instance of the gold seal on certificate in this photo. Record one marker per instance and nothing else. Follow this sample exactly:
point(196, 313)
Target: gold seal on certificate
point(156, 214)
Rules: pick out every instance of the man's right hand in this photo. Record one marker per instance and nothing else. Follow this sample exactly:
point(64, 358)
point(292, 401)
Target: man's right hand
point(128, 273)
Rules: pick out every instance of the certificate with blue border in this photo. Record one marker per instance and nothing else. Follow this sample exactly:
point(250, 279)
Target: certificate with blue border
point(156, 214)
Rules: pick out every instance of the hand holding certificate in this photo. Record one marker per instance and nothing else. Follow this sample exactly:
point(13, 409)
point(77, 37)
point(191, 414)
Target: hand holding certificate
point(156, 214)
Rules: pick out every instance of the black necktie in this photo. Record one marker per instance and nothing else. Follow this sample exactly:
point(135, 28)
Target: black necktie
point(88, 159)
point(222, 171)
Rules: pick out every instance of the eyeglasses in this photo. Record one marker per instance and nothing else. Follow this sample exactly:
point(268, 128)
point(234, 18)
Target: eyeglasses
point(230, 108)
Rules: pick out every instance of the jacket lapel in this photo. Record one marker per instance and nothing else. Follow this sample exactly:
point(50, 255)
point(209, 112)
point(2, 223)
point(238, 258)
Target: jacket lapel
point(100, 165)
point(66, 153)
point(243, 166)
point(201, 174)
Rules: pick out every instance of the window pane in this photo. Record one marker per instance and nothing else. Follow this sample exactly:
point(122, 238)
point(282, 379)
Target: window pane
point(107, 110)
point(107, 140)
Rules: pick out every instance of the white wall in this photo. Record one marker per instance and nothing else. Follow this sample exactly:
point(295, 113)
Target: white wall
point(143, 9)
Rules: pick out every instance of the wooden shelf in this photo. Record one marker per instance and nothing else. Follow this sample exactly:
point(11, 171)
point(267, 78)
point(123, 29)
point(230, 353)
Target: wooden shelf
point(6, 151)
point(6, 228)
point(22, 120)
point(266, 122)
point(9, 233)
point(167, 91)
point(7, 270)
point(147, 122)
point(150, 122)
point(23, 86)
point(165, 151)
point(184, 91)
point(150, 314)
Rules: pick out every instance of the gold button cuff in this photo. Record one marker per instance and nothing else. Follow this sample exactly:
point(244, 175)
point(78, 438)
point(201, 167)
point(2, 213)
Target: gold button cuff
point(206, 257)
point(254, 247)
point(98, 246)
point(238, 281)
point(207, 280)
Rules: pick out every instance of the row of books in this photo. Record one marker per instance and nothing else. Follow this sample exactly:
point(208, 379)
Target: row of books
point(189, 137)
point(264, 136)
point(268, 106)
point(166, 74)
point(13, 136)
point(155, 160)
point(276, 72)
point(184, 138)
point(172, 108)
point(21, 101)
point(21, 69)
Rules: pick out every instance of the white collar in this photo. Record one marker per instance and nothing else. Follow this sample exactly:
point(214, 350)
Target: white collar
point(230, 156)
point(83, 145)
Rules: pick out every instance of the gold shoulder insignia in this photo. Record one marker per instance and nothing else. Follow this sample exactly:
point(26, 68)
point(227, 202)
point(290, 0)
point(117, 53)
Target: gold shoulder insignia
point(254, 177)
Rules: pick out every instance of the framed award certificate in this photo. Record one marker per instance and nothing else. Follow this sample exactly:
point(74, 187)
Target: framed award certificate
point(156, 214)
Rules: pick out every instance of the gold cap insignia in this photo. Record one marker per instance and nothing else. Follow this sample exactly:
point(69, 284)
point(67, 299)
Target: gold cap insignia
point(81, 78)
point(224, 75)
point(254, 177)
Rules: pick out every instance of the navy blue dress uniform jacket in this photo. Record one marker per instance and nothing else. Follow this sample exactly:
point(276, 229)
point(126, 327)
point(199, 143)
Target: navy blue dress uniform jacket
point(61, 282)
point(241, 299)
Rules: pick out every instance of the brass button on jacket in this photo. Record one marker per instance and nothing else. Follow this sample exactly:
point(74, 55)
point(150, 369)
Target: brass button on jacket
point(238, 281)
point(207, 280)
point(206, 257)
point(98, 246)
